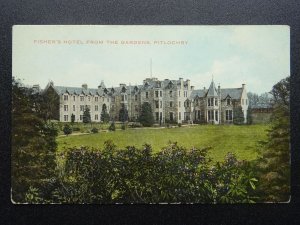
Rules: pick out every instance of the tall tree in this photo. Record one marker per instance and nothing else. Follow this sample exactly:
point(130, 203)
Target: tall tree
point(238, 116)
point(146, 117)
point(86, 115)
point(123, 114)
point(274, 164)
point(104, 114)
point(33, 145)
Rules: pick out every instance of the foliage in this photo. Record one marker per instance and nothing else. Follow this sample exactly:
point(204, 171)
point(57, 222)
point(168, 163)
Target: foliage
point(67, 129)
point(274, 164)
point(132, 175)
point(123, 126)
point(146, 117)
point(123, 113)
point(33, 145)
point(104, 114)
point(86, 115)
point(112, 127)
point(72, 118)
point(249, 116)
point(238, 116)
point(94, 130)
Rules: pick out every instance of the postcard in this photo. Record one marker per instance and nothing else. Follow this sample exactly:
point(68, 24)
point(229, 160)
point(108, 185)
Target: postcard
point(150, 114)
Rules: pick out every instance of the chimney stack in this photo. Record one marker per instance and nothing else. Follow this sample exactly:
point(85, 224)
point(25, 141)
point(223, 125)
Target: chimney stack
point(84, 86)
point(243, 86)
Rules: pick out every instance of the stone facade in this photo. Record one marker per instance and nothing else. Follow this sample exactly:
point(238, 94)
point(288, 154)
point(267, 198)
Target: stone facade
point(172, 101)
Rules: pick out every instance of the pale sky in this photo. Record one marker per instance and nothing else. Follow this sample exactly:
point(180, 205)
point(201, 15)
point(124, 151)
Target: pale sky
point(258, 56)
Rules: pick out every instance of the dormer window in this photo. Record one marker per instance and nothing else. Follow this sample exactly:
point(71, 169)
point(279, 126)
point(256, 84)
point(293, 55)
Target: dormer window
point(74, 97)
point(65, 97)
point(147, 95)
point(228, 101)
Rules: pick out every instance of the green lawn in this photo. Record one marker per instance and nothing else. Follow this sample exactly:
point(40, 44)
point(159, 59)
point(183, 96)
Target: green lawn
point(241, 140)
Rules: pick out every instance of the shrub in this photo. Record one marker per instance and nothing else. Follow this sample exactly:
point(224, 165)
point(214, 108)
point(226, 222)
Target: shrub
point(112, 127)
point(132, 175)
point(94, 130)
point(179, 124)
point(123, 127)
point(76, 129)
point(67, 129)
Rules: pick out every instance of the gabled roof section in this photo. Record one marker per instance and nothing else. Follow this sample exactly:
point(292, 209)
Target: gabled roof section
point(200, 93)
point(234, 93)
point(212, 91)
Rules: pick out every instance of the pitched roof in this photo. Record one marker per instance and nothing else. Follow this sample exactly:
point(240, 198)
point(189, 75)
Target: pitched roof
point(200, 93)
point(234, 93)
point(212, 91)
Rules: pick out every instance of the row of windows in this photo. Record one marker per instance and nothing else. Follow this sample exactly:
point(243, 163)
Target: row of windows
point(82, 107)
point(66, 98)
point(66, 117)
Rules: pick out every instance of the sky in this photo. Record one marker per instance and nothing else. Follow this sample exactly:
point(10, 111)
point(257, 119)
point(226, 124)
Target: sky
point(258, 56)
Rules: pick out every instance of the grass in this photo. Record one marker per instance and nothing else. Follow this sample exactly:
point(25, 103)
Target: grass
point(241, 140)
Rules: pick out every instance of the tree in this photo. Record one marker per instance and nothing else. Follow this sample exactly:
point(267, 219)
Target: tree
point(72, 118)
point(104, 114)
point(146, 117)
point(253, 99)
point(33, 146)
point(123, 113)
point(238, 116)
point(86, 115)
point(67, 129)
point(274, 162)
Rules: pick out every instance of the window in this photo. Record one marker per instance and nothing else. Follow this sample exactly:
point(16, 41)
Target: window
point(179, 104)
point(96, 108)
point(147, 95)
point(66, 97)
point(199, 114)
point(179, 115)
point(81, 116)
point(81, 98)
point(228, 115)
point(160, 104)
point(210, 115)
point(156, 94)
point(96, 99)
point(135, 97)
point(171, 104)
point(187, 104)
point(228, 101)
point(179, 93)
point(210, 102)
point(156, 104)
point(216, 102)
point(136, 108)
point(216, 115)
point(65, 108)
point(171, 93)
point(74, 108)
point(160, 116)
point(66, 118)
point(96, 117)
point(74, 98)
point(171, 116)
point(82, 108)
point(89, 98)
point(156, 116)
point(160, 93)
point(123, 98)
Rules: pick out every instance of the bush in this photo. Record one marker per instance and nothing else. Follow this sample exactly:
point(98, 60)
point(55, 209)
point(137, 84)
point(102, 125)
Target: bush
point(76, 129)
point(179, 124)
point(94, 130)
point(67, 129)
point(123, 127)
point(112, 127)
point(132, 175)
